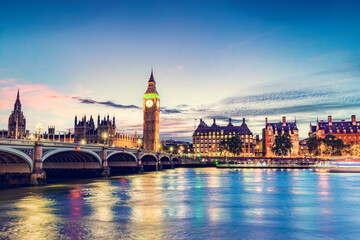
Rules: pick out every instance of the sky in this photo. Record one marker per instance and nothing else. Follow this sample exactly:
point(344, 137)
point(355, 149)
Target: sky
point(211, 59)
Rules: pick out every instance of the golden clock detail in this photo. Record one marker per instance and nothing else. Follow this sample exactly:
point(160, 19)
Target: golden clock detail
point(149, 103)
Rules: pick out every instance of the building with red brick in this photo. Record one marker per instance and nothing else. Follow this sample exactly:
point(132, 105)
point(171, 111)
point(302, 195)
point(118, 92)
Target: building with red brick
point(271, 130)
point(348, 131)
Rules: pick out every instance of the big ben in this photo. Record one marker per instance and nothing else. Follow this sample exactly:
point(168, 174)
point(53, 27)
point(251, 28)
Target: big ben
point(151, 116)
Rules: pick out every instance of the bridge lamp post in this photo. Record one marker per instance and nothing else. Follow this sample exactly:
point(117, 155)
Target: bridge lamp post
point(105, 136)
point(139, 143)
point(182, 149)
point(32, 137)
point(171, 149)
point(83, 142)
point(39, 126)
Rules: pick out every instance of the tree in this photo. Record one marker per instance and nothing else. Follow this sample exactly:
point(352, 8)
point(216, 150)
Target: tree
point(313, 145)
point(282, 145)
point(334, 144)
point(233, 145)
point(351, 149)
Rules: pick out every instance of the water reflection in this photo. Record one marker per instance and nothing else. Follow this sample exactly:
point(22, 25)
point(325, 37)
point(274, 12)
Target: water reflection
point(188, 204)
point(34, 218)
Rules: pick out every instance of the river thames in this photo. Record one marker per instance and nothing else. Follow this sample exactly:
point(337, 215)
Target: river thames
point(203, 203)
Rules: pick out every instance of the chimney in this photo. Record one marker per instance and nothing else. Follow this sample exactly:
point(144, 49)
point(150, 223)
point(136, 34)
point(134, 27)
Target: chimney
point(353, 119)
point(229, 120)
point(243, 120)
point(214, 121)
point(330, 120)
point(266, 121)
point(284, 121)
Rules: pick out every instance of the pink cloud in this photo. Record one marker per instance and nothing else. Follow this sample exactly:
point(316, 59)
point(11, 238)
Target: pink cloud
point(7, 81)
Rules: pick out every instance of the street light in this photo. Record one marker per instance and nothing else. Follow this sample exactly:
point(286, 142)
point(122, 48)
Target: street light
point(139, 142)
point(83, 142)
point(39, 126)
point(171, 149)
point(32, 136)
point(105, 136)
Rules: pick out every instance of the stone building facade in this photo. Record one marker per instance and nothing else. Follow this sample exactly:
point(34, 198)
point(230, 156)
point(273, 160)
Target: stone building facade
point(348, 131)
point(85, 131)
point(271, 130)
point(207, 139)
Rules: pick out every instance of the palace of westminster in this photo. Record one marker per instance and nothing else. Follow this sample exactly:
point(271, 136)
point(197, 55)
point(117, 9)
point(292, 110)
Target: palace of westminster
point(206, 139)
point(87, 132)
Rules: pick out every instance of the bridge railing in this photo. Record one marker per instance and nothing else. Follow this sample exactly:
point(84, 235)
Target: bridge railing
point(22, 142)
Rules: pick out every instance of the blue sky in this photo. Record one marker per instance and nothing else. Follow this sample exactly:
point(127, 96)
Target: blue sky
point(221, 59)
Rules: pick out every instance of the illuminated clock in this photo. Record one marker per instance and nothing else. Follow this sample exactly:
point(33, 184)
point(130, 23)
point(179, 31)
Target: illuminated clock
point(158, 104)
point(149, 103)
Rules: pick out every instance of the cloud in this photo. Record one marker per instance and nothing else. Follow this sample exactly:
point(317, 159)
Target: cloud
point(106, 103)
point(249, 40)
point(7, 80)
point(170, 110)
point(280, 96)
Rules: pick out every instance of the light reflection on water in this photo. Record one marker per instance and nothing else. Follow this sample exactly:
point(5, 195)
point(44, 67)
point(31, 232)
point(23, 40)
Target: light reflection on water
point(188, 204)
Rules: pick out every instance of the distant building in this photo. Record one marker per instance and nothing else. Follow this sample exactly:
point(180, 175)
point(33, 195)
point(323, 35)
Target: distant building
point(271, 130)
point(104, 133)
point(303, 148)
point(17, 121)
point(171, 142)
point(3, 133)
point(51, 135)
point(348, 131)
point(207, 139)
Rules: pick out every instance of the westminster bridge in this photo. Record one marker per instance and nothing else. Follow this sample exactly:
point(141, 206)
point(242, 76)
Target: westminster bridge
point(29, 162)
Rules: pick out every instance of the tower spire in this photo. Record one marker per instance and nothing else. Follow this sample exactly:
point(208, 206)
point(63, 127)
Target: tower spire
point(17, 105)
point(151, 79)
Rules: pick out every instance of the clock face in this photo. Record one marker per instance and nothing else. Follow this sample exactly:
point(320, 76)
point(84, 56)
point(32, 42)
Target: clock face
point(158, 104)
point(149, 103)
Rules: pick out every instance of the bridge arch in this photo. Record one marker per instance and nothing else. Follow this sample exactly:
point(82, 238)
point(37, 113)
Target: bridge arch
point(69, 158)
point(176, 160)
point(12, 160)
point(165, 160)
point(149, 159)
point(122, 159)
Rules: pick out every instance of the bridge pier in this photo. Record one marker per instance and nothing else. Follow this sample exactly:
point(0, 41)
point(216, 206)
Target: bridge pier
point(105, 167)
point(38, 176)
point(160, 167)
point(172, 165)
point(139, 165)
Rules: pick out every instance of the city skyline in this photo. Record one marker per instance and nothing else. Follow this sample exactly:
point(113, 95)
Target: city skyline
point(232, 61)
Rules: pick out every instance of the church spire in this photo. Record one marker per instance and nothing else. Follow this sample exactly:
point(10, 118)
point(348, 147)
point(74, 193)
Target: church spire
point(18, 95)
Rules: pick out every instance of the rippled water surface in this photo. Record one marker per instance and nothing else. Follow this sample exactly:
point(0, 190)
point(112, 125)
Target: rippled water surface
point(188, 204)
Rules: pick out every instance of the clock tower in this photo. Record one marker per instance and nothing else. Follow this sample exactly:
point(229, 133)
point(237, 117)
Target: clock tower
point(151, 116)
